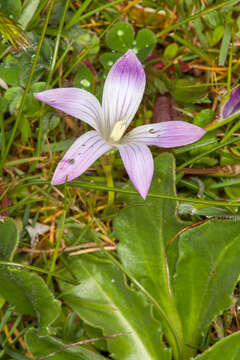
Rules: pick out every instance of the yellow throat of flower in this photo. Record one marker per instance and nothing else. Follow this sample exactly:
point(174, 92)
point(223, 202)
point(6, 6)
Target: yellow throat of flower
point(118, 130)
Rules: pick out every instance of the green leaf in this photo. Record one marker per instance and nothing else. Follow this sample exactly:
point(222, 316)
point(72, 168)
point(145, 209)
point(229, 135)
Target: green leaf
point(61, 145)
point(10, 73)
point(227, 349)
point(8, 236)
point(83, 78)
point(171, 51)
point(11, 7)
point(187, 90)
point(225, 45)
point(204, 117)
point(207, 271)
point(104, 300)
point(145, 228)
point(217, 35)
point(145, 42)
point(200, 30)
point(38, 86)
point(40, 346)
point(27, 291)
point(213, 19)
point(14, 96)
point(25, 129)
point(208, 141)
point(29, 9)
point(83, 39)
point(108, 59)
point(120, 37)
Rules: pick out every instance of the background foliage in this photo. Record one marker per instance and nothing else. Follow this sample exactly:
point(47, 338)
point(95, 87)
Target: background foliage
point(88, 270)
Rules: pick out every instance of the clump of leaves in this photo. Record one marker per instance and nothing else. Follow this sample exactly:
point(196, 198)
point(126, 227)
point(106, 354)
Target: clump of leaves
point(12, 32)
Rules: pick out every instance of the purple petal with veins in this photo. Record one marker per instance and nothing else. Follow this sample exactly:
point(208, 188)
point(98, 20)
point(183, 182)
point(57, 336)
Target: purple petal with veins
point(122, 94)
point(76, 102)
point(139, 165)
point(83, 152)
point(123, 89)
point(166, 134)
point(233, 104)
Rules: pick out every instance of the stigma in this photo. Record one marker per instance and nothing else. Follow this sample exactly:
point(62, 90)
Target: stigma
point(118, 130)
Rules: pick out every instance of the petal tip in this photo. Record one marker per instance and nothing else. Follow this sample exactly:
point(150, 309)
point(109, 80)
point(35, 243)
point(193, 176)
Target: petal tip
point(143, 194)
point(143, 191)
point(200, 131)
point(55, 180)
point(36, 95)
point(127, 64)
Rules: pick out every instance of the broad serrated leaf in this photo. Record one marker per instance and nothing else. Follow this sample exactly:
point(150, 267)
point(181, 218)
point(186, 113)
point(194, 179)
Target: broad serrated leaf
point(27, 291)
point(145, 228)
point(120, 37)
point(42, 346)
point(207, 272)
point(104, 300)
point(227, 349)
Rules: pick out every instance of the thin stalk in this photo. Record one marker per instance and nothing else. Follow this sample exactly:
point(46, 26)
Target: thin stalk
point(37, 269)
point(107, 167)
point(14, 326)
point(34, 22)
point(58, 240)
point(90, 186)
point(92, 12)
point(62, 57)
point(215, 125)
point(50, 75)
point(229, 77)
point(195, 16)
point(194, 49)
point(3, 140)
point(84, 54)
point(25, 160)
point(160, 196)
point(19, 115)
point(110, 183)
point(198, 157)
point(231, 131)
point(76, 17)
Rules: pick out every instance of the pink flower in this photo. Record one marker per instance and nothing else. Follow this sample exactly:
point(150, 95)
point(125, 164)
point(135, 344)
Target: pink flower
point(122, 94)
point(232, 105)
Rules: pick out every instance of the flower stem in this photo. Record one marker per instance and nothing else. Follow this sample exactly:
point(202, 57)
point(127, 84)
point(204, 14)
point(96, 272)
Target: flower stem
point(107, 167)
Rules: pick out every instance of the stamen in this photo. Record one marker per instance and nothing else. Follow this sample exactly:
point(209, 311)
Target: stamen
point(118, 130)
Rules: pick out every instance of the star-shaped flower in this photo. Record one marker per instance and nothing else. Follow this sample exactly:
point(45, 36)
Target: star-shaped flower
point(122, 94)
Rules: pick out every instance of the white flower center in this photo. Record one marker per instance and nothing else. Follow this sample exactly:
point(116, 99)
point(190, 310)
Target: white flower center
point(118, 130)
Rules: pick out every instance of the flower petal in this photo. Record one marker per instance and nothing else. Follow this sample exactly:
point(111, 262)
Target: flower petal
point(123, 90)
point(83, 152)
point(166, 134)
point(76, 102)
point(138, 163)
point(233, 104)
